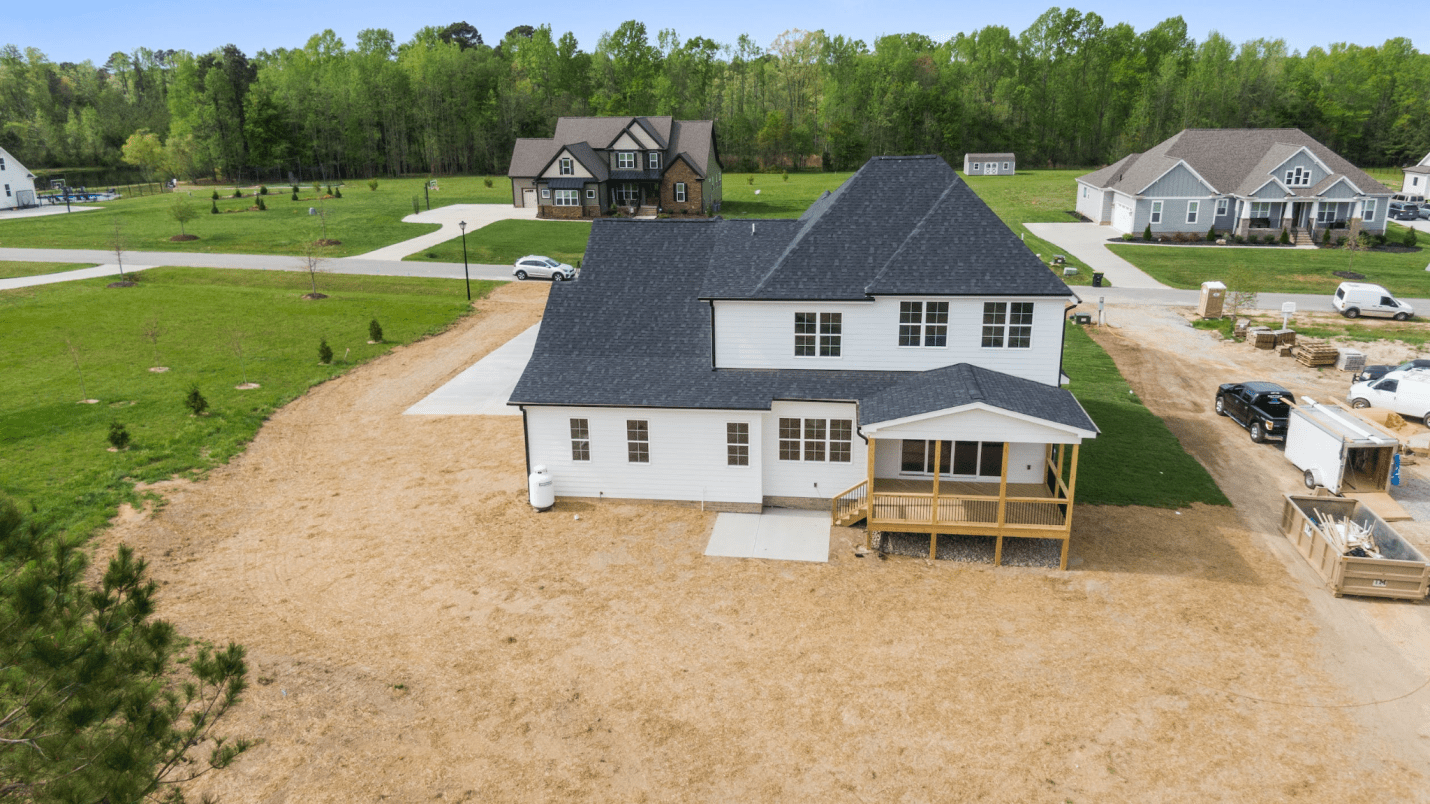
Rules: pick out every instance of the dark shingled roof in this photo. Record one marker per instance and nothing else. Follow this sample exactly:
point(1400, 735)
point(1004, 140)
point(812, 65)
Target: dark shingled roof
point(632, 331)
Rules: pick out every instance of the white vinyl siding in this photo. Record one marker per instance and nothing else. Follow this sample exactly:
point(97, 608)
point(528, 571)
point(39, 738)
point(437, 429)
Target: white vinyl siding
point(688, 451)
point(819, 479)
point(758, 335)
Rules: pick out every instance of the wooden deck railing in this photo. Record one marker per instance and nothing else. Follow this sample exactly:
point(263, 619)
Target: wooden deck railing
point(851, 505)
point(914, 508)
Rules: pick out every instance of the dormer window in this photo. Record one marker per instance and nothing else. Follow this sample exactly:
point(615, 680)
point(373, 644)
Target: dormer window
point(1298, 177)
point(625, 160)
point(566, 167)
point(654, 160)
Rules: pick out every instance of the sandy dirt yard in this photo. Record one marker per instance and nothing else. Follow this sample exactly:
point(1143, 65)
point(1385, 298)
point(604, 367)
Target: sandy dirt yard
point(417, 633)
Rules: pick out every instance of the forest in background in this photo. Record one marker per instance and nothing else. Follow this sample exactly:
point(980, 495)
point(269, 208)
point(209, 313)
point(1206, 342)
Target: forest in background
point(1070, 90)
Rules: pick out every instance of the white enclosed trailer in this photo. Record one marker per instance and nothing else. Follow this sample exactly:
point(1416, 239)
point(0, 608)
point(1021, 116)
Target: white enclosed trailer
point(1336, 450)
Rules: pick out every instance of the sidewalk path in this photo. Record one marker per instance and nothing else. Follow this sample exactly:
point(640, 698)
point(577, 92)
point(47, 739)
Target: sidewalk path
point(1088, 242)
point(261, 262)
point(65, 276)
point(476, 216)
point(40, 212)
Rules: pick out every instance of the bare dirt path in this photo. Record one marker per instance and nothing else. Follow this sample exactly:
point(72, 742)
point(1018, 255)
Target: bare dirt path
point(417, 633)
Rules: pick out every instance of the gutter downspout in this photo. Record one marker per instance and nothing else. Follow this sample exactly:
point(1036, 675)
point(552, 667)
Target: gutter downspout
point(525, 440)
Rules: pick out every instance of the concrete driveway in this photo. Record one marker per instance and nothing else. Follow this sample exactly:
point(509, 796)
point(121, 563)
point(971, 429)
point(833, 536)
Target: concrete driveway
point(476, 216)
point(1088, 242)
point(40, 212)
point(484, 388)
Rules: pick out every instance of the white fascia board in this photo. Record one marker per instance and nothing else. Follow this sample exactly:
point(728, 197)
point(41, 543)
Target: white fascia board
point(873, 428)
point(1309, 153)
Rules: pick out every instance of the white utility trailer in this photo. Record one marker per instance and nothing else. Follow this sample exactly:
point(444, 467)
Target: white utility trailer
point(1344, 454)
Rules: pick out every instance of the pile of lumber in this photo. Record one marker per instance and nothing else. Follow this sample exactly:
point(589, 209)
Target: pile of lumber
point(1315, 354)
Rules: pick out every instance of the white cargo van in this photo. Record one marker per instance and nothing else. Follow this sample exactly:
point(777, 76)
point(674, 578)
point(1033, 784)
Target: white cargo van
point(1355, 299)
point(1407, 394)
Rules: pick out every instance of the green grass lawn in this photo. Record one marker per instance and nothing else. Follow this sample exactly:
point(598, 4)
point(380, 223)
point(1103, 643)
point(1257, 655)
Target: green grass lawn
point(1135, 460)
point(362, 219)
point(10, 269)
point(53, 451)
point(768, 195)
point(1283, 270)
point(1035, 196)
point(504, 242)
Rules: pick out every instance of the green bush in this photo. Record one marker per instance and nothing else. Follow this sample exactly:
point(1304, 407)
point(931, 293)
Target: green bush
point(372, 184)
point(263, 189)
point(374, 331)
point(325, 352)
point(237, 192)
point(295, 189)
point(750, 179)
point(295, 193)
point(215, 194)
point(330, 189)
point(317, 189)
point(1409, 240)
point(214, 207)
point(118, 436)
point(487, 182)
point(1147, 233)
point(195, 401)
point(262, 207)
point(1341, 241)
point(786, 175)
point(1285, 239)
point(337, 192)
point(1127, 237)
point(1211, 235)
point(1326, 236)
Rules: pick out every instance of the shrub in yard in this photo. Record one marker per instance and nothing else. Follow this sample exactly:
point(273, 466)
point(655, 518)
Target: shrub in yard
point(295, 189)
point(1126, 237)
point(337, 192)
point(1341, 241)
point(214, 207)
point(330, 189)
point(1285, 237)
point(237, 192)
point(750, 179)
point(1147, 233)
point(295, 193)
point(487, 182)
point(325, 352)
point(215, 195)
point(374, 331)
point(262, 207)
point(263, 189)
point(1325, 237)
point(317, 189)
point(195, 401)
point(1211, 235)
point(1409, 240)
point(118, 435)
point(1380, 239)
point(372, 184)
point(786, 175)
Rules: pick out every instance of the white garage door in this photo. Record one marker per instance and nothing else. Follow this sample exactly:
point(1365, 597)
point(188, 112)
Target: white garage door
point(1121, 217)
point(528, 198)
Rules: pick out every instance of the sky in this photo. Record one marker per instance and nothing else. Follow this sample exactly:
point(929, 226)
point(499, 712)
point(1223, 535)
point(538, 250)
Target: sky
point(88, 29)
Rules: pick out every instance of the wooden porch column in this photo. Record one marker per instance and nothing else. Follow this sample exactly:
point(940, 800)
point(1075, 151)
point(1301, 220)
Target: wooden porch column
point(933, 509)
point(869, 496)
point(1002, 507)
point(1067, 518)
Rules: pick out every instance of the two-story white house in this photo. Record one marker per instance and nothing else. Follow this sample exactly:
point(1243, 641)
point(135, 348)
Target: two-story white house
point(17, 185)
point(1416, 181)
point(894, 355)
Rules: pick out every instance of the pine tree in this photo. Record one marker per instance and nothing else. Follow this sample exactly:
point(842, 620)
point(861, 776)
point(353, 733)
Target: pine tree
point(325, 352)
point(214, 208)
point(195, 401)
point(374, 331)
point(118, 435)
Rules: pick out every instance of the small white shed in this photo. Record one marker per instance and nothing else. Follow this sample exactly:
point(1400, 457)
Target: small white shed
point(989, 164)
point(17, 185)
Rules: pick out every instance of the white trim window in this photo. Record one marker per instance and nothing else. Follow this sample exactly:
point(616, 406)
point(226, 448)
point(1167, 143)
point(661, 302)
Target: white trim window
point(7, 191)
point(1085, 191)
point(653, 160)
point(955, 458)
point(1156, 212)
point(591, 193)
point(923, 324)
point(1005, 165)
point(568, 198)
point(737, 443)
point(1221, 207)
point(975, 167)
point(818, 334)
point(680, 192)
point(1331, 211)
point(625, 160)
point(637, 441)
point(567, 169)
point(545, 192)
point(1298, 177)
point(1261, 209)
point(816, 440)
point(2, 163)
point(580, 440)
point(1007, 325)
point(1368, 210)
point(1193, 209)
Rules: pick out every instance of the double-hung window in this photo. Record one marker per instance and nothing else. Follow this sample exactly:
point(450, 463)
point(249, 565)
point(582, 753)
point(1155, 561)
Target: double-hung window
point(818, 334)
point(1156, 212)
point(816, 440)
point(7, 191)
point(737, 444)
point(580, 440)
point(568, 198)
point(1007, 325)
point(2, 163)
point(1298, 177)
point(625, 160)
point(1193, 209)
point(1368, 210)
point(923, 323)
point(680, 192)
point(653, 160)
point(566, 167)
point(637, 441)
point(1221, 205)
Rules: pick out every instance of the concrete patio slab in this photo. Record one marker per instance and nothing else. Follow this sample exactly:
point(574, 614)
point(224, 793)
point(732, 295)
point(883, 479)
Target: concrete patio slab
point(780, 534)
point(483, 389)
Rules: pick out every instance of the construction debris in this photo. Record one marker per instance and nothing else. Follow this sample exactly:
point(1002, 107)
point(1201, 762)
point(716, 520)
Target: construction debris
point(1315, 355)
point(1349, 537)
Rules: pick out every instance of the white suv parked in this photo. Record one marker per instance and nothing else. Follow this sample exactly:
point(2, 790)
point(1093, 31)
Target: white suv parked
point(533, 265)
point(1355, 299)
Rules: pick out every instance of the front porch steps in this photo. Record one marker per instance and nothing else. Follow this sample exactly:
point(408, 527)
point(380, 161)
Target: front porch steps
point(1302, 237)
point(646, 213)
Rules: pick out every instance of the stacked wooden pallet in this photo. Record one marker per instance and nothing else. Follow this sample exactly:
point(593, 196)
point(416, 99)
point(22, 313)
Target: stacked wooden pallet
point(1313, 354)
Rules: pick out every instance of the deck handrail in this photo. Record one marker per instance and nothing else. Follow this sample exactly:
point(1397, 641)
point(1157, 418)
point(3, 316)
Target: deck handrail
point(911, 507)
point(851, 501)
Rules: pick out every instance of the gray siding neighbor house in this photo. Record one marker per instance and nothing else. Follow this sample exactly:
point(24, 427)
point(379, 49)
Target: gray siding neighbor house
point(989, 164)
point(1417, 178)
point(640, 165)
point(1247, 181)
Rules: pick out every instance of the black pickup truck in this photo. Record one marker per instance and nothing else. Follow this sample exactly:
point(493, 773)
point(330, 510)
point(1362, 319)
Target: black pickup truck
point(1263, 408)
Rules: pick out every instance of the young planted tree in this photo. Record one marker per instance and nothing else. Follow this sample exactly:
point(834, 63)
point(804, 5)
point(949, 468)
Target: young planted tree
point(1241, 288)
point(118, 436)
point(214, 208)
point(182, 211)
point(325, 352)
point(195, 401)
point(74, 355)
point(100, 701)
point(152, 332)
point(116, 244)
point(236, 344)
point(374, 331)
point(313, 263)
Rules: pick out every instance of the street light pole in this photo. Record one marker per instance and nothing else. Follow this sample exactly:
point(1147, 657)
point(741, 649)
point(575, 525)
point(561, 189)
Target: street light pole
point(463, 226)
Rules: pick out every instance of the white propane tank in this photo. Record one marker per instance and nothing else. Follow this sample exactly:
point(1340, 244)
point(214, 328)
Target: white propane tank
point(542, 489)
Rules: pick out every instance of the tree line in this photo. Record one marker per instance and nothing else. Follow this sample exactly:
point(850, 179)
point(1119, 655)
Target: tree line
point(1070, 90)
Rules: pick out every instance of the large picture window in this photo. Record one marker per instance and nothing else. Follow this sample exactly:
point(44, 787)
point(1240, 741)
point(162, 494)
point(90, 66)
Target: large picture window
point(954, 458)
point(568, 198)
point(816, 440)
point(626, 160)
point(923, 323)
point(737, 444)
point(580, 440)
point(1261, 209)
point(818, 334)
point(637, 441)
point(1007, 325)
point(1331, 211)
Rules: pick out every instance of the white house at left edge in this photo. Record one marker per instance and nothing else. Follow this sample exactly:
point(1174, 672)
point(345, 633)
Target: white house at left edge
point(17, 185)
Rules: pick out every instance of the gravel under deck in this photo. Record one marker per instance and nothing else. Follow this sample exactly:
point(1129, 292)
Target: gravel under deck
point(976, 549)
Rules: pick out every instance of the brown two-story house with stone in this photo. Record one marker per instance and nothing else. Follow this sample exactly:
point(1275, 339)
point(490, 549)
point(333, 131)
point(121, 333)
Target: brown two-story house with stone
point(637, 165)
